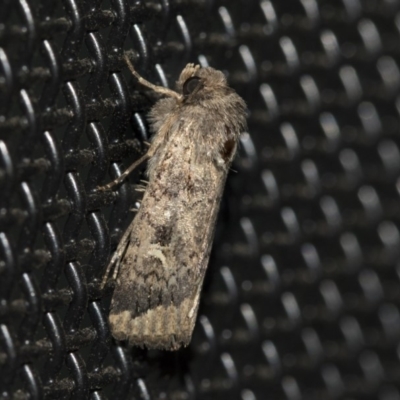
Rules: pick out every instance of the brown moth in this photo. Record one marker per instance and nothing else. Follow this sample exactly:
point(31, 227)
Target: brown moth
point(162, 258)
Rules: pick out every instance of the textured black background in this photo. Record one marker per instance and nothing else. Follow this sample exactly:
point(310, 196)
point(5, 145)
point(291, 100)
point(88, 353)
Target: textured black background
point(302, 296)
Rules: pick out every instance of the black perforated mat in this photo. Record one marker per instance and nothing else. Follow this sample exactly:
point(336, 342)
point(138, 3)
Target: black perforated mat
point(302, 296)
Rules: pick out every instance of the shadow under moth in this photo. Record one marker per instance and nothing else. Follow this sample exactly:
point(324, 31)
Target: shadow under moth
point(161, 259)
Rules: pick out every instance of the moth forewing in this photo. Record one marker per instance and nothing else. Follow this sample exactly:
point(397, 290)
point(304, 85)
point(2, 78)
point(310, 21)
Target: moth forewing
point(163, 256)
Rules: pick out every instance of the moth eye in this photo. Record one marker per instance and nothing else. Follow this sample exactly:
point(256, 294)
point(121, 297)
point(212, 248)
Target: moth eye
point(191, 85)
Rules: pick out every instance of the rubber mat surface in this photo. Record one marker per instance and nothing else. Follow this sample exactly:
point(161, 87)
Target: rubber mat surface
point(302, 295)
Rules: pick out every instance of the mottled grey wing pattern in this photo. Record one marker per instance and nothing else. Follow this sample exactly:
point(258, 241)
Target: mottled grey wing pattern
point(165, 252)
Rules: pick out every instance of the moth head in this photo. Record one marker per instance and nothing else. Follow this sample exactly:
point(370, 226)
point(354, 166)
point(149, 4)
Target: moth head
point(196, 83)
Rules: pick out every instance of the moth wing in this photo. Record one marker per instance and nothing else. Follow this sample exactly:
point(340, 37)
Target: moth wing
point(152, 307)
point(166, 250)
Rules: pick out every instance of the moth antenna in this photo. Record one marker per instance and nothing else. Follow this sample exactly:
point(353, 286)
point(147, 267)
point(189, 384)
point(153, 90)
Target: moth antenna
point(144, 82)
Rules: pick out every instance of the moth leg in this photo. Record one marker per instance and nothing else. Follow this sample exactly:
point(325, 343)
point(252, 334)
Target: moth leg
point(116, 258)
point(116, 269)
point(109, 266)
point(122, 177)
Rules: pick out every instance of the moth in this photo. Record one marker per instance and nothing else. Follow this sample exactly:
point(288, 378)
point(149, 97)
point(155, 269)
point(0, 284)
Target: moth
point(161, 259)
